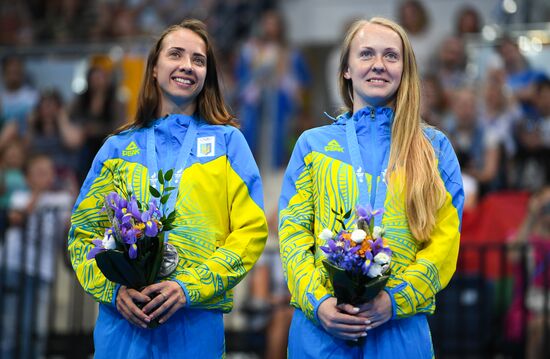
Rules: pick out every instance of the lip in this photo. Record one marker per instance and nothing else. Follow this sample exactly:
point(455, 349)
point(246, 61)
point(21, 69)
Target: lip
point(377, 80)
point(183, 81)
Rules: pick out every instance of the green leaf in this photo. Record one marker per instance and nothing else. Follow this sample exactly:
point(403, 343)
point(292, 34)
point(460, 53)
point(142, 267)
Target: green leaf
point(348, 213)
point(168, 189)
point(168, 174)
point(160, 177)
point(154, 192)
point(164, 199)
point(333, 211)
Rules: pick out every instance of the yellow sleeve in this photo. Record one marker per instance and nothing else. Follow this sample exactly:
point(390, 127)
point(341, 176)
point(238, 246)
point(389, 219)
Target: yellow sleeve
point(413, 289)
point(87, 223)
point(228, 265)
point(297, 240)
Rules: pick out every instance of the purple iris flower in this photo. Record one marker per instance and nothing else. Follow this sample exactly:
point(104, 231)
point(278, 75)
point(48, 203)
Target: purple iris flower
point(133, 208)
point(368, 262)
point(97, 249)
point(129, 236)
point(132, 251)
point(151, 228)
point(367, 213)
point(378, 247)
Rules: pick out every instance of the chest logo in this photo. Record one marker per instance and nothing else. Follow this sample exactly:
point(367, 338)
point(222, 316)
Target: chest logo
point(206, 146)
point(333, 146)
point(131, 150)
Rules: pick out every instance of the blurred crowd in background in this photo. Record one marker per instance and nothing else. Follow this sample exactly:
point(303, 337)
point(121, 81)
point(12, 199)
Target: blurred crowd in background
point(71, 69)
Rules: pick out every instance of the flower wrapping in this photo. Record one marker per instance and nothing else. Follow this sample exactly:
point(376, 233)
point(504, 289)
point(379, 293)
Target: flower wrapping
point(133, 251)
point(357, 261)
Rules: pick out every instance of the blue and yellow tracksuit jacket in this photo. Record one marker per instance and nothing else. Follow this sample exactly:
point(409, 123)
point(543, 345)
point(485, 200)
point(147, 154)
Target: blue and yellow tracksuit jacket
point(220, 227)
point(320, 177)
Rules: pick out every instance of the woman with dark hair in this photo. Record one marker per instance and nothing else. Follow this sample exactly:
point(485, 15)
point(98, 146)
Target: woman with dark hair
point(377, 154)
point(98, 111)
point(182, 123)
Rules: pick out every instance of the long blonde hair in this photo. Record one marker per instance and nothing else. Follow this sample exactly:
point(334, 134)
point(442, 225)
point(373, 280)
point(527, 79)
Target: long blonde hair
point(410, 152)
point(210, 103)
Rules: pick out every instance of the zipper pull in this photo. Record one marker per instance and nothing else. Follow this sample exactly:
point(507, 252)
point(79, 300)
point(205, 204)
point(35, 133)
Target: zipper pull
point(372, 113)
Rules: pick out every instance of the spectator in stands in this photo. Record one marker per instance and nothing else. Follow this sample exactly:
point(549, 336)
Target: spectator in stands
point(433, 102)
point(17, 98)
point(450, 65)
point(12, 178)
point(38, 220)
point(533, 139)
point(98, 110)
point(415, 19)
point(272, 81)
point(467, 21)
point(499, 111)
point(520, 76)
point(477, 150)
point(51, 132)
point(272, 78)
point(535, 232)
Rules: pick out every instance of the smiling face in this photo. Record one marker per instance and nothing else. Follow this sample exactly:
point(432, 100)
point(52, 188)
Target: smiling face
point(180, 71)
point(375, 66)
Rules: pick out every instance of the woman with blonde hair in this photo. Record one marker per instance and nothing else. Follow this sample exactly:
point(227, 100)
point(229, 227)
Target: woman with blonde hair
point(219, 230)
point(377, 153)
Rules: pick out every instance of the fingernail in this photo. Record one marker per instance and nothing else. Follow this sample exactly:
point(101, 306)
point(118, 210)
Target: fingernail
point(367, 322)
point(356, 309)
point(364, 334)
point(161, 321)
point(369, 328)
point(144, 326)
point(147, 320)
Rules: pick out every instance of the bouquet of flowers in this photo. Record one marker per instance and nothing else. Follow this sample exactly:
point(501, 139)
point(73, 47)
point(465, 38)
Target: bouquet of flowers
point(133, 252)
point(357, 260)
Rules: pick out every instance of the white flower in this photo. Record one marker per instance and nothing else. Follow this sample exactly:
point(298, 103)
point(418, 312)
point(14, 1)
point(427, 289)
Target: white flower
point(378, 232)
point(109, 240)
point(375, 270)
point(358, 235)
point(382, 258)
point(326, 234)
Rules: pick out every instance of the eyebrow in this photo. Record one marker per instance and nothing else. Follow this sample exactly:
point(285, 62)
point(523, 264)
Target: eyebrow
point(372, 48)
point(182, 49)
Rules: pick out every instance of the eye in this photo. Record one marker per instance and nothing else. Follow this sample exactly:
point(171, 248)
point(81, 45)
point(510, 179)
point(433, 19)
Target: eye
point(174, 54)
point(366, 54)
point(199, 60)
point(392, 56)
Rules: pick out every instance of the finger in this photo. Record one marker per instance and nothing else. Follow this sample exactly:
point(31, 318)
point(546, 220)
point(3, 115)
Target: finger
point(154, 288)
point(348, 308)
point(345, 328)
point(163, 308)
point(349, 336)
point(137, 296)
point(129, 316)
point(347, 319)
point(155, 302)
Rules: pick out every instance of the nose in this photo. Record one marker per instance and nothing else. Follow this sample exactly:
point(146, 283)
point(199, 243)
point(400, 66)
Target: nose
point(185, 65)
point(378, 66)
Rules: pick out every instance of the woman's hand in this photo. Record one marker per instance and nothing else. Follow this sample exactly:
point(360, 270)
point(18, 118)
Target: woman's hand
point(169, 299)
point(126, 300)
point(339, 324)
point(377, 311)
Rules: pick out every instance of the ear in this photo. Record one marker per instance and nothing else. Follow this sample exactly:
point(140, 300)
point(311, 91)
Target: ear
point(155, 71)
point(347, 75)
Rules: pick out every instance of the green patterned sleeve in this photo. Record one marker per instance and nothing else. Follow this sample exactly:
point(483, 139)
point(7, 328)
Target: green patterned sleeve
point(297, 240)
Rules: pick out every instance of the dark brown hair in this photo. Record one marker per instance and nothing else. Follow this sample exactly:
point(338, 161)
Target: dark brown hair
point(210, 103)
